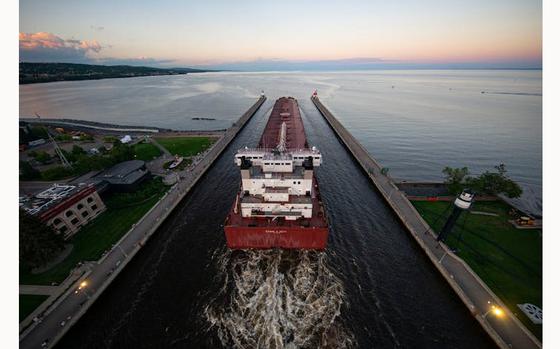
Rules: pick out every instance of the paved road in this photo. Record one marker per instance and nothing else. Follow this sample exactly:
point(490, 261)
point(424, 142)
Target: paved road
point(507, 331)
point(38, 290)
point(68, 309)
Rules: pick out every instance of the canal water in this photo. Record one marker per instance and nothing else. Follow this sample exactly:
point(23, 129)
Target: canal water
point(372, 287)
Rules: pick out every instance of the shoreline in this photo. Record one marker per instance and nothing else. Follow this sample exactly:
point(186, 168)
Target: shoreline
point(100, 126)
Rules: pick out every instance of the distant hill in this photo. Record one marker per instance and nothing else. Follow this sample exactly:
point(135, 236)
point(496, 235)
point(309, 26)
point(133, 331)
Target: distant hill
point(47, 72)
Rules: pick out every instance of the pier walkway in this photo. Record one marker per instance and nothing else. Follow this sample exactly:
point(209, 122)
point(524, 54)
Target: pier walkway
point(507, 331)
point(69, 307)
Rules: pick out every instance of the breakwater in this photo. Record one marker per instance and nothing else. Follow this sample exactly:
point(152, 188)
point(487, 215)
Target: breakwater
point(506, 331)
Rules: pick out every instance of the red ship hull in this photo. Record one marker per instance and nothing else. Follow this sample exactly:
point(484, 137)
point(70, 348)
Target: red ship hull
point(279, 237)
point(267, 232)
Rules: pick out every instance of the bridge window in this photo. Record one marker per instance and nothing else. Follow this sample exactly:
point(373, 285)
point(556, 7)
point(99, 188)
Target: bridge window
point(69, 213)
point(94, 207)
point(89, 200)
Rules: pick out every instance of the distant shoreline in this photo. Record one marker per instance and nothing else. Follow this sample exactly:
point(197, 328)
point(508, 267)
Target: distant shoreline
point(99, 126)
point(85, 78)
point(34, 73)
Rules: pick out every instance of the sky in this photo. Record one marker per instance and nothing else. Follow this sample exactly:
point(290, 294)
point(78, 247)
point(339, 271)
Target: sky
point(285, 35)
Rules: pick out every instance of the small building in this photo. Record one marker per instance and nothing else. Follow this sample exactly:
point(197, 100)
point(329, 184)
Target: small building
point(37, 142)
point(126, 139)
point(65, 207)
point(125, 176)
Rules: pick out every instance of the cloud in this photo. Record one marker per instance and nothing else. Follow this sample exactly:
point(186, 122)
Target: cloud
point(47, 47)
point(96, 28)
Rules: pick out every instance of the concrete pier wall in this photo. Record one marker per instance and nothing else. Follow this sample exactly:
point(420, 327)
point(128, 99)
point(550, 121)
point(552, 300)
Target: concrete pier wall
point(506, 331)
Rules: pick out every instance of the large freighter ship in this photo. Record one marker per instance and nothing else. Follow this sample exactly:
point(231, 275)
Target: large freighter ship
point(279, 204)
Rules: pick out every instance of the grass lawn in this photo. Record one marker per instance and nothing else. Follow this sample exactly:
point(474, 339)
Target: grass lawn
point(509, 260)
point(146, 151)
point(123, 210)
point(28, 303)
point(185, 146)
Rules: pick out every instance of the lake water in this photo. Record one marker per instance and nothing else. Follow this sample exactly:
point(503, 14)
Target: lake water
point(413, 122)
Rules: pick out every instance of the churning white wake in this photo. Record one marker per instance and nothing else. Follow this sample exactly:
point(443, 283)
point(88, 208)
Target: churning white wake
point(278, 299)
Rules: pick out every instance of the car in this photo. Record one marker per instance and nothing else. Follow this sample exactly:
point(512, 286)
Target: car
point(45, 343)
point(63, 323)
point(118, 263)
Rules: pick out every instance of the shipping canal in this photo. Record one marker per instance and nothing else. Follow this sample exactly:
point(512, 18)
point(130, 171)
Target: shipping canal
point(388, 292)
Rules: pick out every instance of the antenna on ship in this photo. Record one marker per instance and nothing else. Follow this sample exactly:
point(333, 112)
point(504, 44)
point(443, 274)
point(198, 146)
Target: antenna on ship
point(57, 149)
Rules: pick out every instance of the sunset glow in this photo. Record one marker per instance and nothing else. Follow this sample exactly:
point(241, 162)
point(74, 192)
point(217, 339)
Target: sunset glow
point(221, 32)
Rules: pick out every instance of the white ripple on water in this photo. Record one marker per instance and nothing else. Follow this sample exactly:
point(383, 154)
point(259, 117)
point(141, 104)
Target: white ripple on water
point(278, 299)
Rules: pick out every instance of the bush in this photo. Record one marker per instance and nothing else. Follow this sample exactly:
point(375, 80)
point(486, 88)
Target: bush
point(56, 173)
point(86, 137)
point(63, 138)
point(109, 139)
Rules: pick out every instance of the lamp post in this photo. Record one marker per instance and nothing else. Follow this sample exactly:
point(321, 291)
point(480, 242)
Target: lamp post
point(494, 310)
point(82, 287)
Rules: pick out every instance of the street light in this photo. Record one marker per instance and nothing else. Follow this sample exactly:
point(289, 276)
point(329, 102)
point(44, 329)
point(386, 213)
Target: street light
point(494, 310)
point(82, 287)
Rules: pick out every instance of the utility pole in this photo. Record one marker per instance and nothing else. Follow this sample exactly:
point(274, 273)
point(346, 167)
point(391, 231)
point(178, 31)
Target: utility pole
point(57, 149)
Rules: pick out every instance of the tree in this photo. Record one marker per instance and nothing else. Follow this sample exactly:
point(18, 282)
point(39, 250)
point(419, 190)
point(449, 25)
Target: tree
point(488, 183)
point(77, 150)
point(43, 157)
point(28, 172)
point(121, 152)
point(39, 132)
point(38, 243)
point(494, 183)
point(455, 178)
